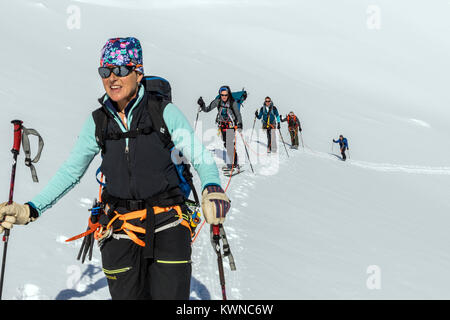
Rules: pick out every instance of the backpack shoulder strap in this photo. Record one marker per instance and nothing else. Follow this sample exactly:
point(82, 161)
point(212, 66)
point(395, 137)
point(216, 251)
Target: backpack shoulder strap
point(155, 108)
point(101, 123)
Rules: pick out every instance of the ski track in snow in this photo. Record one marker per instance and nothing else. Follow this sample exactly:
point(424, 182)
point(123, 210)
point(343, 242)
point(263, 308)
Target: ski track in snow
point(270, 168)
point(383, 167)
point(420, 123)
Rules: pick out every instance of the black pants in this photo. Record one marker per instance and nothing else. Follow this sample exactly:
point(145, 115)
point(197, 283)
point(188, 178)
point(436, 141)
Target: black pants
point(344, 157)
point(132, 277)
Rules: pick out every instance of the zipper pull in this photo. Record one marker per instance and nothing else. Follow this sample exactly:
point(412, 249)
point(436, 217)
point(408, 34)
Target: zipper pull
point(126, 149)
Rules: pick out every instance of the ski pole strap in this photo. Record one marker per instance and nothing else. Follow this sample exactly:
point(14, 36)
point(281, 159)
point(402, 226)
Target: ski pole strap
point(27, 150)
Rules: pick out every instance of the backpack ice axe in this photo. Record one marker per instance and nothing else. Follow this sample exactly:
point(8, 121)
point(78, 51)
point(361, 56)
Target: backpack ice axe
point(20, 137)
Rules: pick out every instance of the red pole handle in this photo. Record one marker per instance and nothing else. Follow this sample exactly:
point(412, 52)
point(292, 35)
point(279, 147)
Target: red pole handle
point(15, 151)
point(216, 230)
point(17, 135)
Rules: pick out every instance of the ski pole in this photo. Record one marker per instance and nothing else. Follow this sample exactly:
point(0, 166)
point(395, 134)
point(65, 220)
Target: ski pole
point(284, 144)
point(215, 240)
point(301, 137)
point(196, 119)
point(226, 248)
point(253, 128)
point(246, 151)
point(15, 151)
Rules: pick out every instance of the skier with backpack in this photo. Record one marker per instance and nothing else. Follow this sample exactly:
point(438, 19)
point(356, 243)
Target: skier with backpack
point(293, 127)
point(229, 120)
point(343, 144)
point(138, 131)
point(270, 120)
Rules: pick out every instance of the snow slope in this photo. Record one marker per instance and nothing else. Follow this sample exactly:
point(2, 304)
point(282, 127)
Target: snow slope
point(307, 226)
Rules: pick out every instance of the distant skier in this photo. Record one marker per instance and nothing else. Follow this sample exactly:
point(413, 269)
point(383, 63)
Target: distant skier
point(270, 119)
point(343, 144)
point(228, 119)
point(293, 127)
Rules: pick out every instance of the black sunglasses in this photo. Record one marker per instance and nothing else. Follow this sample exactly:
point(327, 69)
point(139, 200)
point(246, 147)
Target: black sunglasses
point(120, 71)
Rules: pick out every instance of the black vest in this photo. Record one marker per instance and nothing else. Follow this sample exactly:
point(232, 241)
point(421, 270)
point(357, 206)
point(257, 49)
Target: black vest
point(144, 169)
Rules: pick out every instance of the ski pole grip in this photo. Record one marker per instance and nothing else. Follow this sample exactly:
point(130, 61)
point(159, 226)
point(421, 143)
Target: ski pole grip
point(216, 230)
point(17, 135)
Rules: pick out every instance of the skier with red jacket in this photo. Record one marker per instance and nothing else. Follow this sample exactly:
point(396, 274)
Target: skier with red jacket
point(293, 127)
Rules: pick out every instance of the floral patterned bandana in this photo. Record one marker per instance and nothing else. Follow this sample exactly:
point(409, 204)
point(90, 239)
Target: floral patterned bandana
point(122, 52)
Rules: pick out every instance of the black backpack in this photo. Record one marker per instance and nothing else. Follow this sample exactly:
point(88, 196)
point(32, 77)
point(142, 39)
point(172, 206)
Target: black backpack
point(160, 92)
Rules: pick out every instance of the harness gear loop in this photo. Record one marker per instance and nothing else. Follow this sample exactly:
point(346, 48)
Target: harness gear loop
point(93, 227)
point(131, 230)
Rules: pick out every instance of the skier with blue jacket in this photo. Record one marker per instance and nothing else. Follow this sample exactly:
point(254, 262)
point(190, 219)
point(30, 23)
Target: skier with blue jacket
point(141, 178)
point(343, 144)
point(270, 119)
